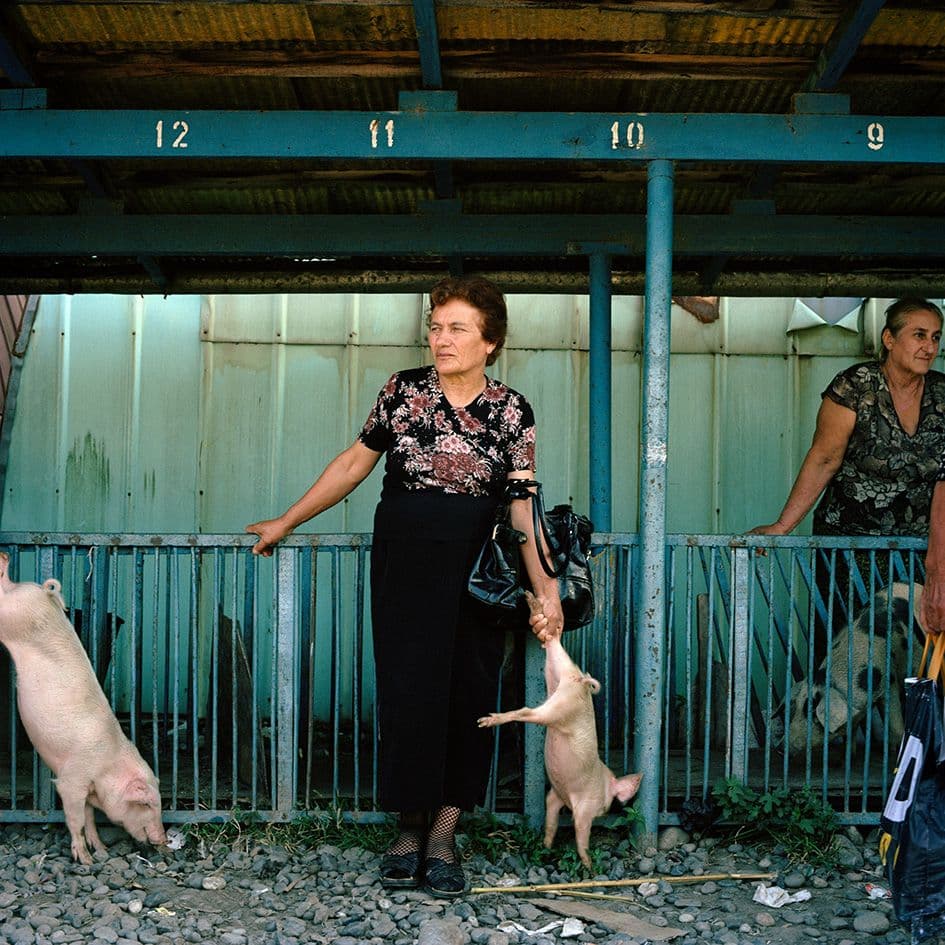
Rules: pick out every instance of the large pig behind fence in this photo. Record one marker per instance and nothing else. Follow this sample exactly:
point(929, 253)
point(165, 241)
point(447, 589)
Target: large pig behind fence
point(69, 721)
point(858, 704)
point(579, 779)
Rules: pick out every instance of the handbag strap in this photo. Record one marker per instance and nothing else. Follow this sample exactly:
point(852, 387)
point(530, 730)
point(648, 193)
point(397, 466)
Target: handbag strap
point(531, 489)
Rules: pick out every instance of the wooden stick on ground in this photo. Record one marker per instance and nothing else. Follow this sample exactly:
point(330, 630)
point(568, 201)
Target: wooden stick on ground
point(580, 894)
point(593, 884)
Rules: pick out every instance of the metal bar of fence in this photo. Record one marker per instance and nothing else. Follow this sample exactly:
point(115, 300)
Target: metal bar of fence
point(309, 659)
point(357, 664)
point(155, 663)
point(741, 667)
point(194, 681)
point(284, 689)
point(258, 749)
point(336, 656)
point(690, 681)
point(216, 583)
point(627, 608)
point(173, 591)
point(668, 675)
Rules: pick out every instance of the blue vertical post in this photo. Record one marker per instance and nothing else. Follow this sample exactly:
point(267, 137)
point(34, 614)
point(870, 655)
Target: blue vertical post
point(651, 576)
point(600, 393)
point(285, 682)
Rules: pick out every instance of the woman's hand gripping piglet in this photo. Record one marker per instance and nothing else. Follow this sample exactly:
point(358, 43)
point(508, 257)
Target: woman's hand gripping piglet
point(540, 624)
point(579, 779)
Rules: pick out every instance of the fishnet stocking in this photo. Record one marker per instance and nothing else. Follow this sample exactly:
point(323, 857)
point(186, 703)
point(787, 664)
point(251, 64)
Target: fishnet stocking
point(413, 825)
point(441, 834)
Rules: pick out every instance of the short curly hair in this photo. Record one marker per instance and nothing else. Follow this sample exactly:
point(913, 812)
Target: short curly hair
point(481, 294)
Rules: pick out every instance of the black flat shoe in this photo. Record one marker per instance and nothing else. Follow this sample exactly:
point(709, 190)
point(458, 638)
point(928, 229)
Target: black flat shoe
point(400, 870)
point(442, 879)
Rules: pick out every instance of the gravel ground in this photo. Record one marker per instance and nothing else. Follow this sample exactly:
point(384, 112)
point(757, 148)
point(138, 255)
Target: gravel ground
point(254, 893)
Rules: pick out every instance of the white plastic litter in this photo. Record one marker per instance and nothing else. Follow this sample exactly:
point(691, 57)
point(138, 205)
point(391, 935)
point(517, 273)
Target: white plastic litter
point(510, 926)
point(570, 927)
point(175, 839)
point(776, 897)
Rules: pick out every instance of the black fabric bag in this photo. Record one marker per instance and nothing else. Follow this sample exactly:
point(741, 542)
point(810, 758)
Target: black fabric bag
point(498, 579)
point(913, 822)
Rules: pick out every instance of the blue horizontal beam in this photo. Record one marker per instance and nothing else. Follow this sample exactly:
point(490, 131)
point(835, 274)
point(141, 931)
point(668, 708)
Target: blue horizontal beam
point(40, 539)
point(423, 134)
point(445, 234)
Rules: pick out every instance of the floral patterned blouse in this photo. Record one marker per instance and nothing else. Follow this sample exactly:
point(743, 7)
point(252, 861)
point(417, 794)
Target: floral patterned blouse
point(431, 444)
point(885, 482)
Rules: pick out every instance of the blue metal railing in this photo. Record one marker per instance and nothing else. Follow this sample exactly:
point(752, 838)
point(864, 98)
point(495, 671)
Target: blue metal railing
point(248, 683)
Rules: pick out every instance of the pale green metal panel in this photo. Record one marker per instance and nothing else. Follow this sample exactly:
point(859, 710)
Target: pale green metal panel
point(554, 383)
point(305, 319)
point(104, 436)
point(397, 320)
point(755, 415)
point(691, 497)
point(31, 481)
point(547, 322)
point(625, 449)
point(163, 429)
point(751, 326)
point(97, 437)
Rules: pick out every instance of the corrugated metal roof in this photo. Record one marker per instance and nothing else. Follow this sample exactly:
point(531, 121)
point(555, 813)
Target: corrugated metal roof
point(624, 56)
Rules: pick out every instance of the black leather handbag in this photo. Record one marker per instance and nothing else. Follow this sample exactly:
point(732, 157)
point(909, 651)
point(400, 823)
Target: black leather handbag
point(499, 580)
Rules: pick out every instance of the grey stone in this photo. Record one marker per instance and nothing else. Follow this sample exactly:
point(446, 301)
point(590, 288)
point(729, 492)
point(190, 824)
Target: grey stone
point(848, 854)
point(440, 932)
point(671, 838)
point(875, 923)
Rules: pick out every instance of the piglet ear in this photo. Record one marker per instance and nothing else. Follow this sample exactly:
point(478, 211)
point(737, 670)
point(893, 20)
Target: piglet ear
point(140, 791)
point(626, 787)
point(53, 590)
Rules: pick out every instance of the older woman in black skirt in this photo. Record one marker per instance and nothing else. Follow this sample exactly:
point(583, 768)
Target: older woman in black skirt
point(452, 436)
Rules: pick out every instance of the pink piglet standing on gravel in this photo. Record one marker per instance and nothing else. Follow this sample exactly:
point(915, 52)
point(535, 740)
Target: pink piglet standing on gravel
point(69, 721)
point(579, 779)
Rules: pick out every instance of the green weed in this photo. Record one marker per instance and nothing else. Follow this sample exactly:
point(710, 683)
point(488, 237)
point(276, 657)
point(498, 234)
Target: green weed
point(330, 827)
point(481, 834)
point(796, 819)
point(492, 838)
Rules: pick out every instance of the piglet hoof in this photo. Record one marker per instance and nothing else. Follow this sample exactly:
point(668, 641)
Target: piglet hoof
point(81, 854)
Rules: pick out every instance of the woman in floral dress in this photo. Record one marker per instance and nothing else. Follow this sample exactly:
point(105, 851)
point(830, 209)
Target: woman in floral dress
point(453, 437)
point(879, 441)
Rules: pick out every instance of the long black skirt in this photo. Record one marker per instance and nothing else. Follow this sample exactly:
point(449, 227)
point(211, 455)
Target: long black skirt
point(437, 660)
